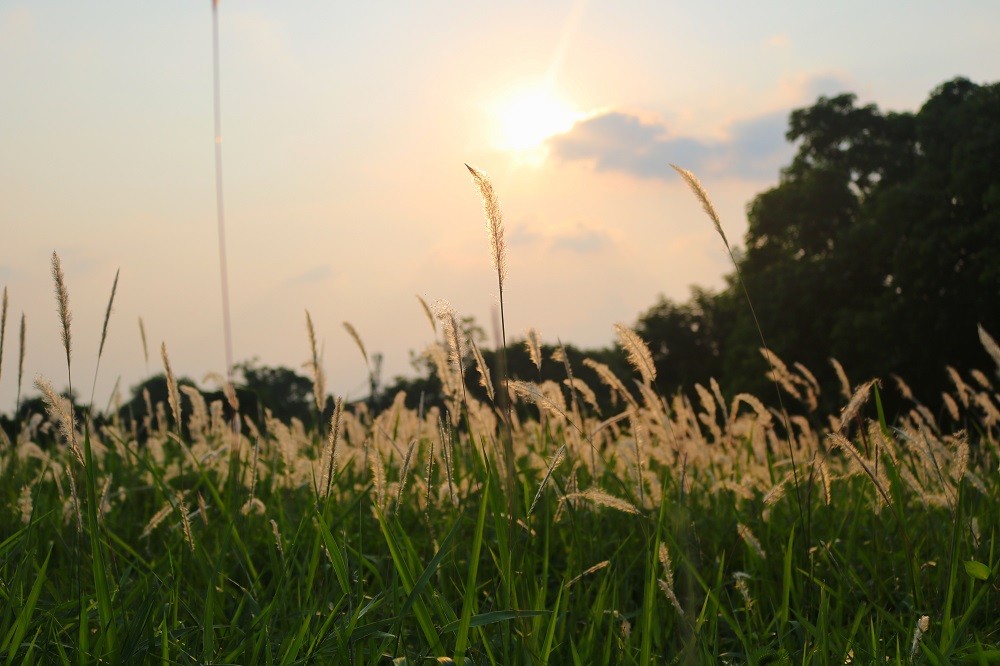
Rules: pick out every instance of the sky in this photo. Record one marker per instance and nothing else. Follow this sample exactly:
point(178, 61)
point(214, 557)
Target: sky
point(345, 130)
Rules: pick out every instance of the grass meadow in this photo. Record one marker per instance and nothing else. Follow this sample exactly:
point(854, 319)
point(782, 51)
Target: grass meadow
point(530, 528)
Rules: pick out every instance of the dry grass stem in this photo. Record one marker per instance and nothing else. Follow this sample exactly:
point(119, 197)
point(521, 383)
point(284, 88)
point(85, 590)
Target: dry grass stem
point(3, 327)
point(594, 569)
point(556, 459)
point(20, 363)
point(145, 347)
point(104, 333)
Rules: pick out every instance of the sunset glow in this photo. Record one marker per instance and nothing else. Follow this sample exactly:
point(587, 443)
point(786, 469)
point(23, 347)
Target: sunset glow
point(527, 119)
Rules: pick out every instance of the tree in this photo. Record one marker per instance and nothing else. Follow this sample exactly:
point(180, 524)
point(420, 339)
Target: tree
point(880, 246)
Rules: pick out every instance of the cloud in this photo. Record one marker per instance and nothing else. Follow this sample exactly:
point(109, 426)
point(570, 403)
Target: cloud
point(315, 274)
point(618, 141)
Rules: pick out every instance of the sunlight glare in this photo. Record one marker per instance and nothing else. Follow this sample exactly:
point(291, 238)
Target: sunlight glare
point(526, 120)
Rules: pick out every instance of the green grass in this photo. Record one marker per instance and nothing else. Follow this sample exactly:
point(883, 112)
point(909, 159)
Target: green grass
point(355, 581)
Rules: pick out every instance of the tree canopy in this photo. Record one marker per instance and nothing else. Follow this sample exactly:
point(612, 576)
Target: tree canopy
point(880, 246)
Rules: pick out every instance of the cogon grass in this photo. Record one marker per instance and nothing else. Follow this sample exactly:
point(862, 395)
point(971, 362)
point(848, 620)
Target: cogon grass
point(333, 596)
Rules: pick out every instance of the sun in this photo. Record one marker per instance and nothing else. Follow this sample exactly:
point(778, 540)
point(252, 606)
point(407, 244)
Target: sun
point(526, 119)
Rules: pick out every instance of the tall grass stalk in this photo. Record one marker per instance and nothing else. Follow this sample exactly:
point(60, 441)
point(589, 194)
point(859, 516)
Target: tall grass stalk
point(104, 335)
point(699, 191)
point(498, 256)
point(3, 327)
point(220, 209)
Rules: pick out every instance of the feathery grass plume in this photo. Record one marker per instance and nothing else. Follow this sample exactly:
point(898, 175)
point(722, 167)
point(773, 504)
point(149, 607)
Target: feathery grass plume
point(404, 472)
point(20, 365)
point(378, 477)
point(277, 539)
point(951, 406)
point(962, 389)
point(452, 334)
point(600, 498)
point(547, 396)
point(740, 583)
point(357, 340)
point(202, 510)
point(533, 343)
point(611, 380)
point(556, 460)
point(104, 334)
point(145, 347)
point(330, 454)
point(903, 388)
point(173, 395)
point(779, 373)
point(706, 203)
point(157, 518)
point(809, 376)
point(638, 352)
point(748, 537)
point(25, 504)
point(990, 345)
point(923, 625)
point(430, 315)
point(667, 583)
point(65, 316)
point(319, 386)
point(981, 379)
point(589, 397)
point(253, 506)
point(484, 374)
point(594, 569)
point(494, 224)
point(60, 411)
point(881, 485)
point(3, 327)
point(845, 384)
point(185, 521)
point(853, 406)
point(717, 392)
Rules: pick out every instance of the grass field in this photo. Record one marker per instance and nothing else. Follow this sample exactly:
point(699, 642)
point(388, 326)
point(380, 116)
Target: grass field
point(685, 528)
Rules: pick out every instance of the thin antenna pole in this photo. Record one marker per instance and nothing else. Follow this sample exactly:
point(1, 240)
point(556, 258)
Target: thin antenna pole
point(219, 206)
